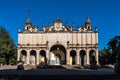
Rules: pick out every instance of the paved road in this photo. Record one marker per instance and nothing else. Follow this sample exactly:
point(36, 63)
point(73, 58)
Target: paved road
point(58, 72)
point(106, 73)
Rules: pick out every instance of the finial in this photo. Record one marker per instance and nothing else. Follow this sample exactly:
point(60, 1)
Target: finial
point(82, 24)
point(87, 12)
point(28, 13)
point(96, 29)
point(28, 19)
point(66, 24)
point(42, 24)
point(72, 23)
point(87, 17)
point(48, 23)
point(19, 29)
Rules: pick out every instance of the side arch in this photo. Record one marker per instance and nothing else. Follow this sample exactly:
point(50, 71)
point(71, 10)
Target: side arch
point(33, 59)
point(72, 57)
point(82, 57)
point(42, 55)
point(23, 56)
point(92, 56)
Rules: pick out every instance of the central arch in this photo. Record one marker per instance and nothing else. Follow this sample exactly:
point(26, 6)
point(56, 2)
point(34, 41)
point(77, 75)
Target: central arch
point(59, 52)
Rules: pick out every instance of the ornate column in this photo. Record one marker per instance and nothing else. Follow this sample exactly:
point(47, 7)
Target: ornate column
point(78, 57)
point(88, 61)
point(68, 57)
point(37, 53)
point(28, 56)
point(18, 55)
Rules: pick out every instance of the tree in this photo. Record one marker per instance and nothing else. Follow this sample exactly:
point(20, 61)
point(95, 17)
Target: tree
point(105, 56)
point(102, 56)
point(114, 45)
point(8, 48)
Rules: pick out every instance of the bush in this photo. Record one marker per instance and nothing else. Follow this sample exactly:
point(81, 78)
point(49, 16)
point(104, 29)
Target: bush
point(13, 61)
point(2, 61)
point(117, 68)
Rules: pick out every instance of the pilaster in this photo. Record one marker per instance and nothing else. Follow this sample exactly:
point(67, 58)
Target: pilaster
point(38, 57)
point(97, 56)
point(28, 56)
point(47, 55)
point(88, 59)
point(78, 57)
point(18, 55)
point(68, 57)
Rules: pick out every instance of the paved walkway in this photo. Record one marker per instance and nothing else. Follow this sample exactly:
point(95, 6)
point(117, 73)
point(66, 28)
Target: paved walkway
point(30, 74)
point(68, 74)
point(3, 67)
point(58, 72)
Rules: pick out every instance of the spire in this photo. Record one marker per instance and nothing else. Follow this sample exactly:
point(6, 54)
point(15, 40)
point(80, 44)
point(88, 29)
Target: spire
point(72, 23)
point(87, 17)
point(28, 24)
point(88, 20)
point(28, 19)
point(88, 24)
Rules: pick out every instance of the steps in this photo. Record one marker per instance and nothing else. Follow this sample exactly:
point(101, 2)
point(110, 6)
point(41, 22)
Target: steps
point(26, 67)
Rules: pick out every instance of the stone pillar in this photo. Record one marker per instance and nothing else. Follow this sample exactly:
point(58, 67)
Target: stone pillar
point(47, 56)
point(37, 53)
point(68, 57)
point(78, 57)
point(79, 60)
point(97, 56)
point(88, 59)
point(85, 60)
point(18, 55)
point(28, 56)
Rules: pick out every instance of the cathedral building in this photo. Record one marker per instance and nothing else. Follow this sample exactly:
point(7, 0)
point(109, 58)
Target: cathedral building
point(58, 44)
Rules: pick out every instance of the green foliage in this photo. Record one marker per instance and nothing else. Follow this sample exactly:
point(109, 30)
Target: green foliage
point(2, 61)
point(7, 48)
point(105, 56)
point(114, 45)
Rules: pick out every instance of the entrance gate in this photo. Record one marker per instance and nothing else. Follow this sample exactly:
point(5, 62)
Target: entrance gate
point(57, 55)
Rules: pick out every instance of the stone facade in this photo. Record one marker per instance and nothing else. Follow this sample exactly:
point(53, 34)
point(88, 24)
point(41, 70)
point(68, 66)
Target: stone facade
point(66, 45)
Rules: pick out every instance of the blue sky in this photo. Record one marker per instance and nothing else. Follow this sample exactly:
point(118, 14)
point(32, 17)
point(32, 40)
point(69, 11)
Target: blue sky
point(105, 14)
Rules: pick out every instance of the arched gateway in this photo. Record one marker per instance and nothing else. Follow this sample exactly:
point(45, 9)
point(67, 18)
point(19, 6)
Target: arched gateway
point(58, 44)
point(59, 54)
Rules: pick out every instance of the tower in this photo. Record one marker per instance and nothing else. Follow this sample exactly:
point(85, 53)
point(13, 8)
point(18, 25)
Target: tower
point(29, 27)
point(28, 24)
point(88, 24)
